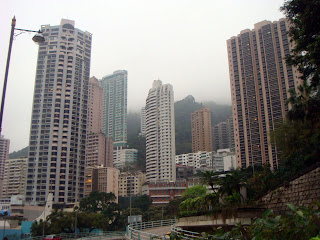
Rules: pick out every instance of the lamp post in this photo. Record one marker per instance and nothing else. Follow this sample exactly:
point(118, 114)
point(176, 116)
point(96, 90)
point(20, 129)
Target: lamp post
point(38, 38)
point(75, 224)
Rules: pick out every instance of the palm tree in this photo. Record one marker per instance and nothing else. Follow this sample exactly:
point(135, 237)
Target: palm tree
point(212, 179)
point(233, 182)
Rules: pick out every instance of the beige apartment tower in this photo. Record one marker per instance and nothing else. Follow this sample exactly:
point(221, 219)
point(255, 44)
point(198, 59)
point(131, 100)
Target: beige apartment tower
point(259, 80)
point(201, 130)
point(95, 106)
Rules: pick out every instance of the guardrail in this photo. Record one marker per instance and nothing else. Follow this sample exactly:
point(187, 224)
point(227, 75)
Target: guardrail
point(134, 231)
point(86, 236)
point(187, 234)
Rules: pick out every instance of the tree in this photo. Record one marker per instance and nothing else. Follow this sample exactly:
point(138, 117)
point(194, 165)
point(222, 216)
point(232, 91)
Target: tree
point(92, 220)
point(60, 221)
point(195, 191)
point(98, 202)
point(212, 179)
point(304, 17)
point(142, 202)
point(37, 228)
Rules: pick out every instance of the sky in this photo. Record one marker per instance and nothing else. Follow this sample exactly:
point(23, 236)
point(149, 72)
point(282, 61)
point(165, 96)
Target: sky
point(181, 42)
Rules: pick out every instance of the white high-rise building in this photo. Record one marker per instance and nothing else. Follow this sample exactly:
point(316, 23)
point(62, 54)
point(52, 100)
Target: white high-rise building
point(15, 172)
point(4, 154)
point(143, 122)
point(160, 133)
point(59, 121)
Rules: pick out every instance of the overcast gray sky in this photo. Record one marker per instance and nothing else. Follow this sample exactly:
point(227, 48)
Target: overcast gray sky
point(181, 42)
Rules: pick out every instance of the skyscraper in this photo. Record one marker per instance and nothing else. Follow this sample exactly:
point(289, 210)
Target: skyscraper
point(220, 136)
point(4, 154)
point(223, 135)
point(160, 133)
point(114, 120)
point(56, 157)
point(201, 130)
point(99, 148)
point(260, 80)
point(95, 106)
point(143, 122)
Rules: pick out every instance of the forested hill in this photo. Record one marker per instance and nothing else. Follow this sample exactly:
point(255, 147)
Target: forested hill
point(21, 153)
point(183, 110)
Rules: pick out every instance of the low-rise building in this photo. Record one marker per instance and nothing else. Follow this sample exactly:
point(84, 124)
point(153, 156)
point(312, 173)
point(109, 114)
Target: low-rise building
point(15, 172)
point(130, 183)
point(183, 172)
point(224, 160)
point(161, 192)
point(123, 157)
point(102, 179)
point(198, 160)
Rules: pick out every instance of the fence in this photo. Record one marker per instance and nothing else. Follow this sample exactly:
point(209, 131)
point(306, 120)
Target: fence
point(135, 231)
point(86, 236)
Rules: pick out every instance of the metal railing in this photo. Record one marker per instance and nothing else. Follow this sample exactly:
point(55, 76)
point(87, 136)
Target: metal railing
point(184, 234)
point(85, 236)
point(135, 231)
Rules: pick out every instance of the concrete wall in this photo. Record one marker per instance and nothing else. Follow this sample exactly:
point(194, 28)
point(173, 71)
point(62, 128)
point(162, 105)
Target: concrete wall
point(301, 191)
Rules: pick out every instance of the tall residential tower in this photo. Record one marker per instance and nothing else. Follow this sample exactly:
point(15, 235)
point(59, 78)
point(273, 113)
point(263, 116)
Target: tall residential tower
point(260, 80)
point(4, 154)
point(201, 130)
point(160, 133)
point(114, 120)
point(59, 121)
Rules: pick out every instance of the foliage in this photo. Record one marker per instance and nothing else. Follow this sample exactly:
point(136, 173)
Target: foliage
point(195, 191)
point(37, 228)
point(92, 220)
point(297, 144)
point(298, 223)
point(142, 202)
point(297, 138)
point(304, 17)
point(21, 153)
point(139, 143)
point(182, 112)
point(99, 202)
point(123, 220)
point(61, 222)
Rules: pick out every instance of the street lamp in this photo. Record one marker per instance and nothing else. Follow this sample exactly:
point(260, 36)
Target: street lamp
point(38, 38)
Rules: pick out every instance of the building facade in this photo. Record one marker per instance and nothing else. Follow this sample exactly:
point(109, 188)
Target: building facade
point(15, 173)
point(114, 119)
point(224, 160)
point(4, 155)
point(99, 150)
point(124, 157)
point(201, 130)
point(95, 106)
point(143, 122)
point(223, 135)
point(160, 133)
point(57, 142)
point(161, 192)
point(130, 184)
point(198, 160)
point(102, 179)
point(259, 80)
